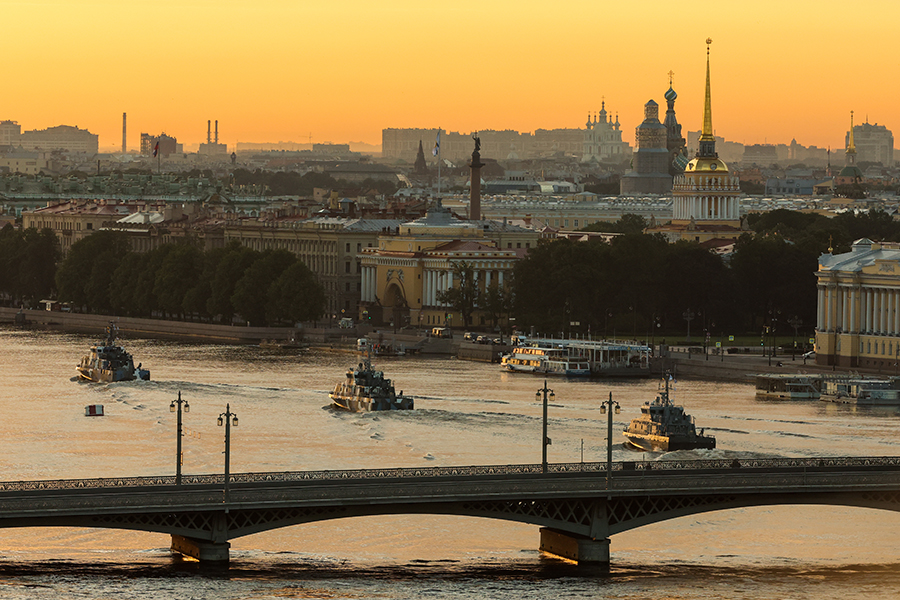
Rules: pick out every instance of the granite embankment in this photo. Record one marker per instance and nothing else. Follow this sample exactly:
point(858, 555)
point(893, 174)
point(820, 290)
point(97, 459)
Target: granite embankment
point(150, 328)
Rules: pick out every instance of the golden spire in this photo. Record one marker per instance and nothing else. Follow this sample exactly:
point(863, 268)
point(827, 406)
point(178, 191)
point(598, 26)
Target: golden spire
point(707, 133)
point(851, 146)
point(671, 77)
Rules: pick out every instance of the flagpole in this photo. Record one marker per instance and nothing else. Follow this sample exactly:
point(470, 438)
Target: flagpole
point(439, 162)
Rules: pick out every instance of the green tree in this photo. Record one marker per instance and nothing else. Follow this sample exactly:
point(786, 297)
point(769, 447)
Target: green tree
point(295, 296)
point(84, 276)
point(122, 289)
point(495, 301)
point(463, 297)
point(178, 273)
point(229, 269)
point(251, 292)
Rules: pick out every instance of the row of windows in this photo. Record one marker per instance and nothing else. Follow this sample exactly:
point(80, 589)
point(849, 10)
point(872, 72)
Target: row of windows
point(889, 348)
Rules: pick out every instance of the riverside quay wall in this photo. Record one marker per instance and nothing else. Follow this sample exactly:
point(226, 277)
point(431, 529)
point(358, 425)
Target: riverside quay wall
point(148, 328)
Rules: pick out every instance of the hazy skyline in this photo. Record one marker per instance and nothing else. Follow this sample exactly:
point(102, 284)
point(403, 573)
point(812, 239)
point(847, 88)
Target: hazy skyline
point(271, 70)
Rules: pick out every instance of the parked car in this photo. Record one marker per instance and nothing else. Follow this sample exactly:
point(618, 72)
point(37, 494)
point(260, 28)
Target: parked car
point(469, 336)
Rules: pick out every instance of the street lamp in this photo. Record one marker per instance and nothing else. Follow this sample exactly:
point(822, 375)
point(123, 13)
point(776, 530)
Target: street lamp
point(227, 418)
point(613, 406)
point(176, 406)
point(795, 322)
point(688, 316)
point(546, 441)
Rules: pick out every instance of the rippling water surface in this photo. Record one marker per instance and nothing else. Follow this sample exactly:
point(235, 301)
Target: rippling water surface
point(467, 413)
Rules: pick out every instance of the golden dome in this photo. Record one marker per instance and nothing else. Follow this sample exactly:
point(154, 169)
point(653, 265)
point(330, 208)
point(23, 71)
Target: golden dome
point(704, 164)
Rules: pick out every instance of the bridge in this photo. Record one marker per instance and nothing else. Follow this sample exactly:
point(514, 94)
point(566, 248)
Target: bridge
point(578, 506)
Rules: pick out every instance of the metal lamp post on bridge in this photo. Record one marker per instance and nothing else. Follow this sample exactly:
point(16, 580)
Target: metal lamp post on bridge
point(176, 406)
point(613, 406)
point(688, 316)
point(227, 418)
point(545, 440)
point(794, 322)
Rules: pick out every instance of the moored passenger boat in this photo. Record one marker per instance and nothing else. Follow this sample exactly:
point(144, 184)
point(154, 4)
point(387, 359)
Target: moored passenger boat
point(871, 391)
point(545, 361)
point(789, 386)
point(110, 362)
point(579, 358)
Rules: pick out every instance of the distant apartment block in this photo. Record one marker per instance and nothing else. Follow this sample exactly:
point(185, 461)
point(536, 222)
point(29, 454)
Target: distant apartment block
point(26, 163)
point(167, 144)
point(791, 186)
point(63, 137)
point(10, 131)
point(760, 154)
point(331, 148)
point(874, 143)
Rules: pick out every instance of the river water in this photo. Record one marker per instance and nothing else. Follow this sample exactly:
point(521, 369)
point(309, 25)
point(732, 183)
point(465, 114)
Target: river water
point(466, 413)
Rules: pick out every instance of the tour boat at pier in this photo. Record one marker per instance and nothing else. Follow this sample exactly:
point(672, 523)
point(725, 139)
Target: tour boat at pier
point(789, 386)
point(871, 391)
point(366, 389)
point(579, 358)
point(545, 361)
point(110, 362)
point(664, 427)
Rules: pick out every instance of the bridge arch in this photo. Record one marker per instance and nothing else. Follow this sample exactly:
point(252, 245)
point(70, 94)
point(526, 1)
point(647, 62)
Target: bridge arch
point(581, 503)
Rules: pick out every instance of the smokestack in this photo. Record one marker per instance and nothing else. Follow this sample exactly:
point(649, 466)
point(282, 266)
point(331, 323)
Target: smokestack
point(124, 144)
point(208, 130)
point(217, 131)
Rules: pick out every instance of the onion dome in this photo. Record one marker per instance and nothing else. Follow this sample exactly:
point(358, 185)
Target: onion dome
point(670, 94)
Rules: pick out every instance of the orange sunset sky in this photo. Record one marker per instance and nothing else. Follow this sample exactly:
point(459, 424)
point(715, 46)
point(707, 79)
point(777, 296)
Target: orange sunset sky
point(342, 70)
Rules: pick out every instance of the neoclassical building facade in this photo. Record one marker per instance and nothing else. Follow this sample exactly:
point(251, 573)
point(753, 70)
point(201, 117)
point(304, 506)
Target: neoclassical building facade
point(858, 313)
point(403, 275)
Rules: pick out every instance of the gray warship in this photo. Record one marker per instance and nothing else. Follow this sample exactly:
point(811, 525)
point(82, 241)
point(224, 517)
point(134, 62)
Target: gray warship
point(110, 362)
point(663, 427)
point(366, 389)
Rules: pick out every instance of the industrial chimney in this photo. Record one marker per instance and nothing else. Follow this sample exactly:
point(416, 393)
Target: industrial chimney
point(217, 131)
point(124, 145)
point(208, 131)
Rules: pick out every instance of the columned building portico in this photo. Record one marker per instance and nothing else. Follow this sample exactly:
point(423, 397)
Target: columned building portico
point(405, 274)
point(858, 312)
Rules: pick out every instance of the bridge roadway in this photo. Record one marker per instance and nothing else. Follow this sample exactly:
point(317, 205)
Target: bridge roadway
point(577, 505)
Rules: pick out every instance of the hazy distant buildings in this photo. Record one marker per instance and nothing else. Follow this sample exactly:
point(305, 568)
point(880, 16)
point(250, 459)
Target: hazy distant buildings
point(603, 139)
point(760, 154)
point(167, 145)
point(851, 174)
point(10, 131)
point(339, 149)
point(874, 143)
point(26, 162)
point(212, 147)
point(403, 144)
point(649, 172)
point(63, 137)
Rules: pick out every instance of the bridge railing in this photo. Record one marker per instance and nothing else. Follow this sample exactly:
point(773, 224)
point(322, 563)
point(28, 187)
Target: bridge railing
point(600, 468)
